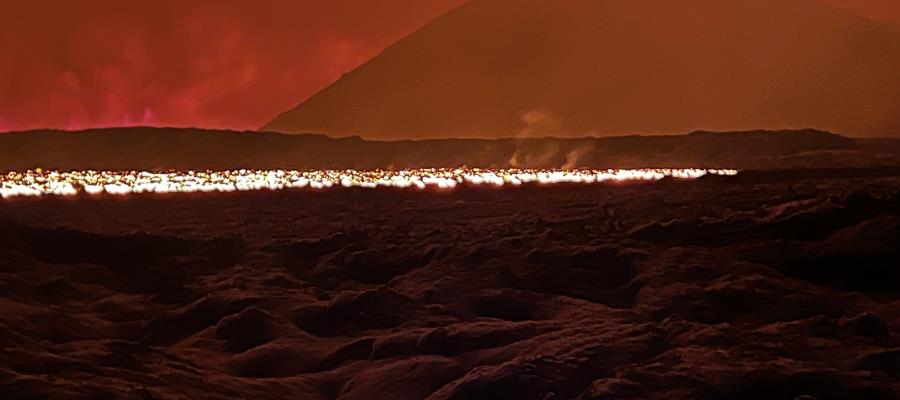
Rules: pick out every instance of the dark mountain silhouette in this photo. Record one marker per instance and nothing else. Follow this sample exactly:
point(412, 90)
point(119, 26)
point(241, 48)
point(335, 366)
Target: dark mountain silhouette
point(167, 148)
point(510, 68)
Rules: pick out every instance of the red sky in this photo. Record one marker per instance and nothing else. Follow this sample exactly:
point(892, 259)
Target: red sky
point(210, 63)
point(207, 63)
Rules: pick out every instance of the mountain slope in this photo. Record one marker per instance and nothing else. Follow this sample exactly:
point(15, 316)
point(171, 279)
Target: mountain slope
point(500, 68)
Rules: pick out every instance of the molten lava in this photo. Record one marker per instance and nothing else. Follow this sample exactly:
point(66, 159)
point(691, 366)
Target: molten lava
point(41, 183)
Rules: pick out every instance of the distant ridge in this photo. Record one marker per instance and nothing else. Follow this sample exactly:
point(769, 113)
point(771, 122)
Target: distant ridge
point(165, 148)
point(499, 68)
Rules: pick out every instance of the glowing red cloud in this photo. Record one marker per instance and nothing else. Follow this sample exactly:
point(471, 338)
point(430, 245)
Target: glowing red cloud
point(210, 63)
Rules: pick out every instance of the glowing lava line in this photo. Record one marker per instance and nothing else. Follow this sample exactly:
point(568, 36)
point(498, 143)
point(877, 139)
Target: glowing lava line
point(43, 183)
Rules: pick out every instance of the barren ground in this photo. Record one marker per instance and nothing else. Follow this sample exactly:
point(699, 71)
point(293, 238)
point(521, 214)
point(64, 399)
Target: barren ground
point(724, 288)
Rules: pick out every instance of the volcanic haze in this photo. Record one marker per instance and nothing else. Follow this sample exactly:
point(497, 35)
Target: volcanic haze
point(505, 68)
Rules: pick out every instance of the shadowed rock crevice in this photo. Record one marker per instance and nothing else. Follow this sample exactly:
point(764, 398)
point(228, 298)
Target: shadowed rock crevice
point(132, 262)
point(354, 312)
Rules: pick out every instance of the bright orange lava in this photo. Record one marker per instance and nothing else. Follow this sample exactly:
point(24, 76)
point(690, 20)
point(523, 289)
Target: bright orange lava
point(42, 183)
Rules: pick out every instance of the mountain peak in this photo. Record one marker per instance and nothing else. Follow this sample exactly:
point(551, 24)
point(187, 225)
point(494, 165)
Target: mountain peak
point(505, 68)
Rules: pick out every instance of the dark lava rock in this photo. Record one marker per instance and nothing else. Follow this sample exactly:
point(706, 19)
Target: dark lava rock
point(867, 325)
point(887, 361)
point(245, 330)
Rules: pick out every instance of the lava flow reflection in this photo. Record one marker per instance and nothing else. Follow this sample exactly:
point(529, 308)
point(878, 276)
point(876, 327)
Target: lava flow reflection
point(41, 183)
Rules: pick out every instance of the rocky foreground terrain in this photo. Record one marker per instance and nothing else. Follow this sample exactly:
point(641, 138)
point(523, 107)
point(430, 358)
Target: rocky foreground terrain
point(761, 286)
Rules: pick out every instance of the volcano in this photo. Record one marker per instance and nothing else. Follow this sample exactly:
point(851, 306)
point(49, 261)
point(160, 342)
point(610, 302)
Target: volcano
point(525, 68)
